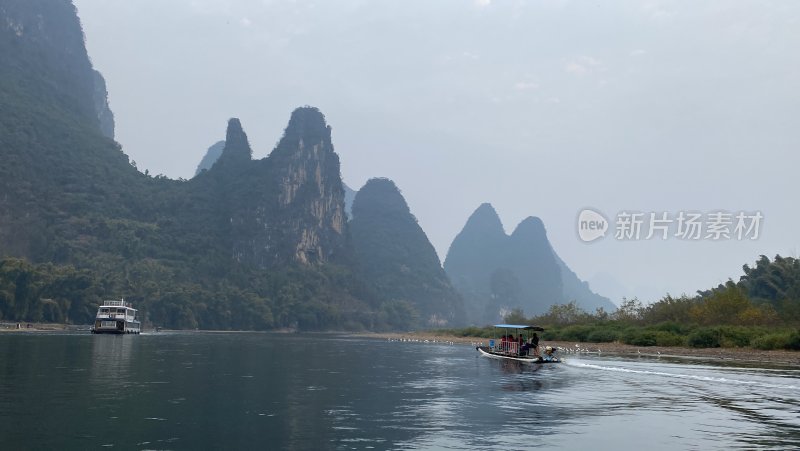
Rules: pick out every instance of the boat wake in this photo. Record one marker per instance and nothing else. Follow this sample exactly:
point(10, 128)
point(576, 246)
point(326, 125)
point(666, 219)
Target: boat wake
point(717, 379)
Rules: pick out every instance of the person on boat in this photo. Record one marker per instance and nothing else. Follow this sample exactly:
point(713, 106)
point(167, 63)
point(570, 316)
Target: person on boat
point(548, 354)
point(535, 344)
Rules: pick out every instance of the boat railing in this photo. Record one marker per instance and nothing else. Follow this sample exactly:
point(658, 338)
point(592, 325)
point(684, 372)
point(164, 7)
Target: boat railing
point(115, 316)
point(122, 303)
point(510, 347)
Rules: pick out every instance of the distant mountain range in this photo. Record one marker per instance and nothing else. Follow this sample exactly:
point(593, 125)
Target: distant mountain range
point(496, 273)
point(212, 155)
point(245, 244)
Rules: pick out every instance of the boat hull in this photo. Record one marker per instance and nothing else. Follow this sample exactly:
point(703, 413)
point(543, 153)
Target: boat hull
point(118, 327)
point(487, 351)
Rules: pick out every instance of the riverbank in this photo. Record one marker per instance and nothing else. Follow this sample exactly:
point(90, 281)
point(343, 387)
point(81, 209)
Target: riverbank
point(40, 327)
point(750, 355)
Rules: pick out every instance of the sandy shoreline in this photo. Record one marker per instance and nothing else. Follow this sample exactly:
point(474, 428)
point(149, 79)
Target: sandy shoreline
point(781, 357)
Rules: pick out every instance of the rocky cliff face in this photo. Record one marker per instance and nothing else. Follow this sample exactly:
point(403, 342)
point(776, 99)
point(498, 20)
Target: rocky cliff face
point(396, 258)
point(310, 194)
point(105, 117)
point(288, 207)
point(495, 272)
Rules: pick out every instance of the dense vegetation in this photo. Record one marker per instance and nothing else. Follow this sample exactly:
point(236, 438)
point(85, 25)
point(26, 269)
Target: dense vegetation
point(761, 310)
point(295, 297)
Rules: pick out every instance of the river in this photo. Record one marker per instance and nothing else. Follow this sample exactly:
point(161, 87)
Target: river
point(314, 392)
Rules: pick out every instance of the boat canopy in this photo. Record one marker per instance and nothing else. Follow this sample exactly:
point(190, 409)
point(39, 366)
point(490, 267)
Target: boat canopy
point(518, 326)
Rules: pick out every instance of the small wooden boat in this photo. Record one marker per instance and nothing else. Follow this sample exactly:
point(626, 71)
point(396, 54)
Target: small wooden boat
point(522, 348)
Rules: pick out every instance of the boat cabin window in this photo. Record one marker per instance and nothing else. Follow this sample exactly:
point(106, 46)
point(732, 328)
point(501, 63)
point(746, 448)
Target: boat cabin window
point(103, 310)
point(120, 310)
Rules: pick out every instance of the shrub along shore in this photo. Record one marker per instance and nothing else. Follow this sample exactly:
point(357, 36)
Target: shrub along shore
point(760, 312)
point(666, 334)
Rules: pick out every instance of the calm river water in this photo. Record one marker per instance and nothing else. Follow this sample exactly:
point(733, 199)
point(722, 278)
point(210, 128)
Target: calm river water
point(316, 392)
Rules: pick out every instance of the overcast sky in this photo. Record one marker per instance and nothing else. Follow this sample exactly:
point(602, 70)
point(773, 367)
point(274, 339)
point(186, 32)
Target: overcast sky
point(542, 108)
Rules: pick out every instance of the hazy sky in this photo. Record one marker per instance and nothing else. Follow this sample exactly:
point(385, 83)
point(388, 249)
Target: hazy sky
point(540, 107)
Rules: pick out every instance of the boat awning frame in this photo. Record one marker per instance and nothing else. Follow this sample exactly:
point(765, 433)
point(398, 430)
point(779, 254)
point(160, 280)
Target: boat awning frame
point(519, 326)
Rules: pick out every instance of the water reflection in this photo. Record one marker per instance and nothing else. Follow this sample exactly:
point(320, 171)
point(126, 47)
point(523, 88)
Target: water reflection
point(111, 359)
point(528, 380)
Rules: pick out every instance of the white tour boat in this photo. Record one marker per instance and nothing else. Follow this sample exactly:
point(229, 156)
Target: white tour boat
point(116, 317)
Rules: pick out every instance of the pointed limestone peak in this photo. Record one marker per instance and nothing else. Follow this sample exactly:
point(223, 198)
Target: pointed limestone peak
point(307, 125)
point(484, 220)
point(237, 147)
point(380, 194)
point(531, 228)
point(307, 129)
point(482, 233)
point(236, 140)
point(308, 120)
